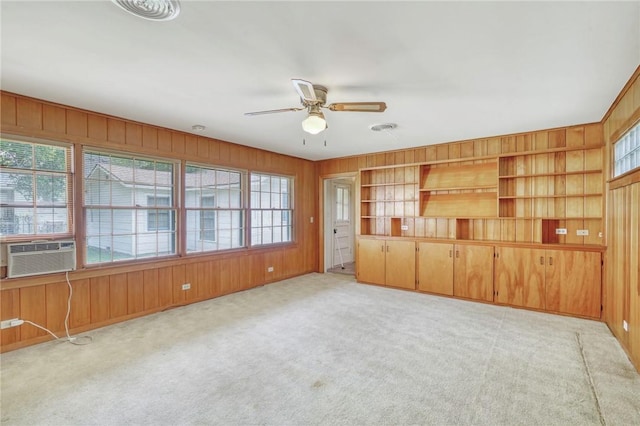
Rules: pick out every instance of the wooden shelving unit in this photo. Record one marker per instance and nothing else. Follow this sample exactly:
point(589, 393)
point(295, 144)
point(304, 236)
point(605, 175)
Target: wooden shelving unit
point(514, 197)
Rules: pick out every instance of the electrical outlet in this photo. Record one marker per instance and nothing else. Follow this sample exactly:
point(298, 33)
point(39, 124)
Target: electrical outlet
point(311, 219)
point(270, 269)
point(10, 323)
point(625, 325)
point(404, 227)
point(561, 231)
point(582, 232)
point(186, 286)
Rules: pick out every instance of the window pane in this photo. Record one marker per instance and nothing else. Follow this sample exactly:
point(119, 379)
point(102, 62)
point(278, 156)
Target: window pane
point(270, 209)
point(35, 181)
point(145, 227)
point(213, 208)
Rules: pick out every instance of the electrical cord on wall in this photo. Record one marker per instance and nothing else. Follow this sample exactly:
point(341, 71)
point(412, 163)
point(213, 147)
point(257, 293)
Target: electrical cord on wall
point(82, 340)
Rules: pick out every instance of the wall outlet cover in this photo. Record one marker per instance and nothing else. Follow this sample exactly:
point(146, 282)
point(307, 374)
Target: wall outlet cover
point(186, 286)
point(561, 231)
point(582, 232)
point(404, 227)
point(625, 325)
point(270, 269)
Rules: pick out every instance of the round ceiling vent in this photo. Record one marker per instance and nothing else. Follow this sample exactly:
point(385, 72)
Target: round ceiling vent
point(155, 10)
point(383, 127)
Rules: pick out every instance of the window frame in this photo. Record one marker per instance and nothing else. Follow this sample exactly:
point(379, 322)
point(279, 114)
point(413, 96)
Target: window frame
point(68, 204)
point(135, 209)
point(626, 152)
point(239, 231)
point(289, 212)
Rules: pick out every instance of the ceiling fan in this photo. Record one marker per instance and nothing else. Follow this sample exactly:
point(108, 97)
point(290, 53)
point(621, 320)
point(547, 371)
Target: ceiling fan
point(313, 98)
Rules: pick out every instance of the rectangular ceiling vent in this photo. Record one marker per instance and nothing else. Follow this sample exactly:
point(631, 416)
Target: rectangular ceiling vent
point(36, 258)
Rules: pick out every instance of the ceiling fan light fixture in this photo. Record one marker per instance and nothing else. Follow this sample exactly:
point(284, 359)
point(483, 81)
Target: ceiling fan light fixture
point(314, 123)
point(154, 10)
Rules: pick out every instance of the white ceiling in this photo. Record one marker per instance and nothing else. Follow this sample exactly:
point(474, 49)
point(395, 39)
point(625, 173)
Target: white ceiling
point(447, 71)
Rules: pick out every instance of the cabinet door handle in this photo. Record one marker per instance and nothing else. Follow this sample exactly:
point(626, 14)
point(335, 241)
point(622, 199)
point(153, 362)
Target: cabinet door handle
point(450, 253)
point(542, 260)
point(457, 254)
point(550, 260)
point(382, 247)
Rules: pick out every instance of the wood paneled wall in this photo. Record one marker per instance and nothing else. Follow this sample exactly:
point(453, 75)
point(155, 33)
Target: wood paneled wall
point(471, 150)
point(622, 289)
point(116, 293)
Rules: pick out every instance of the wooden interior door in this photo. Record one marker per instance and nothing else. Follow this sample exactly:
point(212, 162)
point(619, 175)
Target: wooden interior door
point(371, 261)
point(435, 268)
point(573, 282)
point(472, 272)
point(401, 264)
point(520, 277)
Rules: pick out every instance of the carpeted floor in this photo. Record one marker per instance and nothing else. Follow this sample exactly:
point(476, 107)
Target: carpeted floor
point(323, 350)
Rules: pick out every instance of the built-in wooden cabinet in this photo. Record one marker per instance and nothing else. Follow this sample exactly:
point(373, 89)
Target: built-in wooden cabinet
point(520, 277)
point(473, 272)
point(573, 282)
point(435, 267)
point(387, 262)
point(565, 281)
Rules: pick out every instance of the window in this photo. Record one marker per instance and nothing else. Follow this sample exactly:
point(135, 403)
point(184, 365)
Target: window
point(214, 203)
point(271, 209)
point(208, 219)
point(36, 181)
point(626, 155)
point(130, 208)
point(342, 204)
point(158, 220)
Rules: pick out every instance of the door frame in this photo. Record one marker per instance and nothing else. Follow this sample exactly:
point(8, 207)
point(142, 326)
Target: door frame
point(325, 234)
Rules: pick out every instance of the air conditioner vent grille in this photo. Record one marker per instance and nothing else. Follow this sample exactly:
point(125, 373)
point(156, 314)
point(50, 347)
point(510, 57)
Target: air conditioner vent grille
point(25, 259)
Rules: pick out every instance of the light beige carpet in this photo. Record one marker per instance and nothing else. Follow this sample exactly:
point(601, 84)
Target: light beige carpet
point(324, 350)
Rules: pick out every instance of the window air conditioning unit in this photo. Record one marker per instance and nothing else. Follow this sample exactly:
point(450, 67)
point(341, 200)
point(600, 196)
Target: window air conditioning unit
point(45, 257)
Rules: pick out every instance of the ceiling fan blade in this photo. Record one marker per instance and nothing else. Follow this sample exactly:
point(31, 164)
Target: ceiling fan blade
point(304, 89)
point(273, 111)
point(358, 106)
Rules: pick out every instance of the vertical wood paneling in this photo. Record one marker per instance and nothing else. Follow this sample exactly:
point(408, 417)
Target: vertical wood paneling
point(191, 145)
point(99, 299)
point(116, 131)
point(133, 134)
point(32, 299)
point(203, 148)
point(9, 309)
point(178, 275)
point(80, 304)
point(177, 143)
point(191, 277)
point(97, 127)
point(164, 140)
point(118, 300)
point(151, 289)
point(56, 301)
point(8, 112)
point(149, 137)
point(165, 286)
point(29, 114)
point(54, 119)
point(135, 292)
point(76, 123)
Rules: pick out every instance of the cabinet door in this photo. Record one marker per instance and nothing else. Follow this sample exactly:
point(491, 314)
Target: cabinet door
point(371, 260)
point(435, 268)
point(401, 264)
point(473, 272)
point(520, 277)
point(573, 282)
